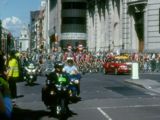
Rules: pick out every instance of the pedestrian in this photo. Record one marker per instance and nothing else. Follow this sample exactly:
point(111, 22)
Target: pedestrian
point(13, 74)
point(5, 100)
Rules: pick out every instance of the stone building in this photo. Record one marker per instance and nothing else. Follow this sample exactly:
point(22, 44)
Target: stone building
point(24, 39)
point(67, 23)
point(125, 25)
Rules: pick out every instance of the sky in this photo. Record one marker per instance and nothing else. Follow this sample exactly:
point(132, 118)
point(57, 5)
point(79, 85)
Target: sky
point(16, 13)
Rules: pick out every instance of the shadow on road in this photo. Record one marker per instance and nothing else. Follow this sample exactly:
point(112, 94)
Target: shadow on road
point(19, 96)
point(70, 114)
point(26, 114)
point(125, 90)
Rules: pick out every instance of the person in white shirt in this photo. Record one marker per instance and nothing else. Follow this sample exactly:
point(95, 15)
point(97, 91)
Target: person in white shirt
point(72, 70)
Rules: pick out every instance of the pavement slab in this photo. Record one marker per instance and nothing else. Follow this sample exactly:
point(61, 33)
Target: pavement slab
point(149, 84)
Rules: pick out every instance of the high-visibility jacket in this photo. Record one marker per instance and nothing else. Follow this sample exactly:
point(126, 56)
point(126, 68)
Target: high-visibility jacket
point(13, 68)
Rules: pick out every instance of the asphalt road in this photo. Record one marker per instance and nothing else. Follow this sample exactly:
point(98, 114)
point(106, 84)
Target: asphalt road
point(104, 97)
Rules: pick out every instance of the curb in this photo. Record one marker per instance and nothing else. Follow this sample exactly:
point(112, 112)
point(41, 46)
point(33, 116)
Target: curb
point(148, 84)
point(134, 83)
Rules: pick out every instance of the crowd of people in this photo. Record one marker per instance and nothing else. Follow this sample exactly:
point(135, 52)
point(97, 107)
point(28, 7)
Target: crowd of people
point(88, 61)
point(9, 74)
point(93, 61)
point(83, 62)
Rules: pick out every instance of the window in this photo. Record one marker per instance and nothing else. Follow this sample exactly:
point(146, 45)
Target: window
point(74, 5)
point(73, 20)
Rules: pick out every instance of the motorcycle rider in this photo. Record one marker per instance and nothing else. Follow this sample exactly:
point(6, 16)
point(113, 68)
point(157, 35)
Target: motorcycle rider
point(54, 78)
point(72, 70)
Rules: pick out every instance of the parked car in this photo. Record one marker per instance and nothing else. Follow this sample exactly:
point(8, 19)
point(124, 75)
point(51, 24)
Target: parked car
point(117, 65)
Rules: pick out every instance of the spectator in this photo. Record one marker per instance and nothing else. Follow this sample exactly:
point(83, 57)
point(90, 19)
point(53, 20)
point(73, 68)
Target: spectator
point(5, 101)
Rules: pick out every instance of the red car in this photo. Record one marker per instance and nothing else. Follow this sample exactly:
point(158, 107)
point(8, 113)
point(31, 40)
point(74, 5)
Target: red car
point(117, 66)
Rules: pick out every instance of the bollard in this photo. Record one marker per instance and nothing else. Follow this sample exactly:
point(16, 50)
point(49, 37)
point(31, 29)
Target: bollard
point(135, 71)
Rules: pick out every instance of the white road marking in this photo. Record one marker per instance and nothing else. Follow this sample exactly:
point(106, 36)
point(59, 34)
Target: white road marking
point(131, 106)
point(120, 107)
point(104, 114)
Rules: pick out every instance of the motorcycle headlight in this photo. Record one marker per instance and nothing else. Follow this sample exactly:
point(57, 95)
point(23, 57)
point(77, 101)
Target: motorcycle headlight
point(34, 70)
point(52, 92)
point(29, 71)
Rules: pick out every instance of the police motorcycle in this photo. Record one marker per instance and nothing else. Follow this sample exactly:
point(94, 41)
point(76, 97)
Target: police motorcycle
point(56, 96)
point(30, 73)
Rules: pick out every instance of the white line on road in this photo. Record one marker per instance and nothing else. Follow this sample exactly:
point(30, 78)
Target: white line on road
point(131, 106)
point(104, 114)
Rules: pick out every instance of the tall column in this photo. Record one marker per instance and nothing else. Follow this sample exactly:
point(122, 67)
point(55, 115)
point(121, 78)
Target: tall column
point(96, 24)
point(48, 24)
point(125, 27)
point(110, 23)
point(107, 25)
point(145, 28)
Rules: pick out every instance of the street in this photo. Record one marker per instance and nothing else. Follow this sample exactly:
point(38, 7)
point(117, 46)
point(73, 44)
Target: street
point(81, 36)
point(104, 97)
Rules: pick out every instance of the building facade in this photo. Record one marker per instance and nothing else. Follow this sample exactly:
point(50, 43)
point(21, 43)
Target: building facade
point(113, 25)
point(125, 25)
point(7, 41)
point(67, 23)
point(73, 27)
point(152, 26)
point(34, 30)
point(24, 40)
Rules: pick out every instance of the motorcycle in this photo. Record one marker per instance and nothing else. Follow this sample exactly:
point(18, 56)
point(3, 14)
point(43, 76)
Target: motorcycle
point(55, 97)
point(30, 73)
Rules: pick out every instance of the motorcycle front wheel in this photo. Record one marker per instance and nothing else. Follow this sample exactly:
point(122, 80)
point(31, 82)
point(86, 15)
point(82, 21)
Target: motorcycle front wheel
point(61, 110)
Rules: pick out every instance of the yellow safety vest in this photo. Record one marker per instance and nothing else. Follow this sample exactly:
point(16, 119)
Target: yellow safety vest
point(13, 68)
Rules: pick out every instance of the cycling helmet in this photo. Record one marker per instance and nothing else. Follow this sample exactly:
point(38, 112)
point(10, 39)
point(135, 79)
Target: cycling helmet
point(58, 64)
point(70, 60)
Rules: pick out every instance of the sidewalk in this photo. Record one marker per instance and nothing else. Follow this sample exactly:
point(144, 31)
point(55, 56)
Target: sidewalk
point(146, 83)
